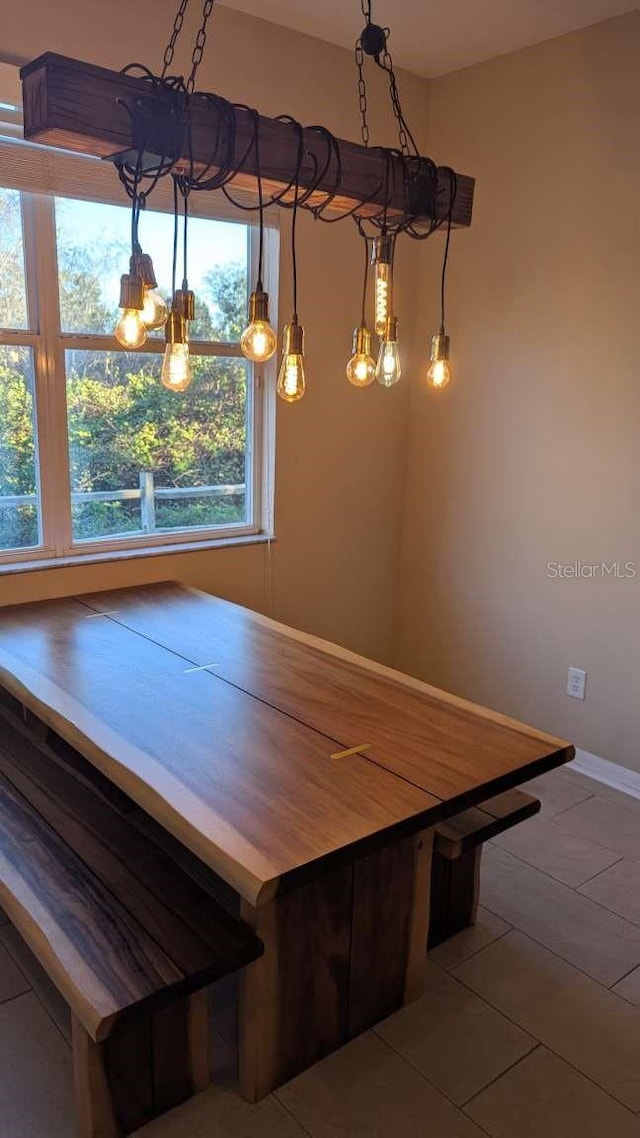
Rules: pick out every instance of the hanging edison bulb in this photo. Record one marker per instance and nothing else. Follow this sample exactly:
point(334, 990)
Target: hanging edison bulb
point(382, 260)
point(130, 330)
point(389, 370)
point(361, 369)
point(291, 380)
point(259, 341)
point(439, 373)
point(154, 308)
point(176, 365)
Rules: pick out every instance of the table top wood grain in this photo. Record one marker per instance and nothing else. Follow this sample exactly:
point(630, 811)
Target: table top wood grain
point(222, 724)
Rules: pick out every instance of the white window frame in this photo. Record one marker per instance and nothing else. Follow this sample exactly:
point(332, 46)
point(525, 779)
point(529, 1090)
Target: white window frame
point(48, 345)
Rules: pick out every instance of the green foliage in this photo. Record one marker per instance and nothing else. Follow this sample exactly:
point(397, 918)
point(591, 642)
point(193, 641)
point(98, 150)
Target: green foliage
point(122, 421)
point(226, 290)
point(13, 308)
point(127, 422)
point(18, 525)
point(82, 308)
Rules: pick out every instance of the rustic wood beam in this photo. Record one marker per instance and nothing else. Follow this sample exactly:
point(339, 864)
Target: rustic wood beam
point(77, 106)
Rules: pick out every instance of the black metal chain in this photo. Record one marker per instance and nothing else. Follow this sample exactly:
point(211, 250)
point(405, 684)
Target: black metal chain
point(404, 134)
point(169, 50)
point(198, 51)
point(170, 104)
point(362, 92)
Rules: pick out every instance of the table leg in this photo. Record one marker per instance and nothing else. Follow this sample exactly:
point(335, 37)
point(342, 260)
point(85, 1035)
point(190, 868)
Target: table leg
point(341, 952)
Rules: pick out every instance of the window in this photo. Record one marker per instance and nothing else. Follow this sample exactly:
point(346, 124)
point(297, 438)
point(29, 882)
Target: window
point(95, 454)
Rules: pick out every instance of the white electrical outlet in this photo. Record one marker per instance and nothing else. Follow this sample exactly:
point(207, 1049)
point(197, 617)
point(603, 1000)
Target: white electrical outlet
point(576, 683)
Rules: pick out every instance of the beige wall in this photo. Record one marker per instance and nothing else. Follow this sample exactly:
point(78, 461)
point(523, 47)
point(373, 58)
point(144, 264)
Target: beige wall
point(340, 453)
point(534, 455)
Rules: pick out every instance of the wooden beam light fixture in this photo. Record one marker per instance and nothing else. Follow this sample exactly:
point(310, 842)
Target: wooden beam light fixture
point(154, 126)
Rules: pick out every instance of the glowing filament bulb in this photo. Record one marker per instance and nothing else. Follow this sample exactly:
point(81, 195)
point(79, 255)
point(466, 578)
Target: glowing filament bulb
point(130, 330)
point(389, 370)
point(291, 380)
point(176, 367)
point(439, 373)
point(154, 310)
point(361, 369)
point(258, 342)
point(382, 297)
point(382, 260)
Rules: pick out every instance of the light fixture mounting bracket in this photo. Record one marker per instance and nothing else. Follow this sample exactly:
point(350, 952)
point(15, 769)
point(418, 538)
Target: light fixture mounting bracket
point(374, 40)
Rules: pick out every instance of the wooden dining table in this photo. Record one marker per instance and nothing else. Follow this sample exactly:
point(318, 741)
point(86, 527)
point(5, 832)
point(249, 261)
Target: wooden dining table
point(307, 778)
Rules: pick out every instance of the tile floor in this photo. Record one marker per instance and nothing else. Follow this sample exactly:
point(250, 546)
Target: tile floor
point(530, 1025)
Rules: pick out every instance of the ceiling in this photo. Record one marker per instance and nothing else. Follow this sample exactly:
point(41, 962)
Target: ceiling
point(438, 36)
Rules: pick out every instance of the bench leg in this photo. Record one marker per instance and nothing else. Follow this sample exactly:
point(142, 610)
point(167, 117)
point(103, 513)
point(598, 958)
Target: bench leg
point(95, 1117)
point(455, 888)
point(145, 1068)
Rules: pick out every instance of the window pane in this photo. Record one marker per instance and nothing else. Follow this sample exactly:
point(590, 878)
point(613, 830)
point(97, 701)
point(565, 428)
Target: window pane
point(13, 294)
point(19, 500)
point(146, 460)
point(94, 243)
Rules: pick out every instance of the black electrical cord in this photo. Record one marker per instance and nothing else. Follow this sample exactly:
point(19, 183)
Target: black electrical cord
point(445, 261)
point(174, 270)
point(294, 256)
point(227, 162)
point(363, 318)
point(185, 242)
point(260, 205)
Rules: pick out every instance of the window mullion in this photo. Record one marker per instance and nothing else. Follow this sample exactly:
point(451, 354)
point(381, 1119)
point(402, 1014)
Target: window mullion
point(53, 449)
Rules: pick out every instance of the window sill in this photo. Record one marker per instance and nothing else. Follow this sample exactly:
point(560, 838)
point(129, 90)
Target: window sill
point(36, 565)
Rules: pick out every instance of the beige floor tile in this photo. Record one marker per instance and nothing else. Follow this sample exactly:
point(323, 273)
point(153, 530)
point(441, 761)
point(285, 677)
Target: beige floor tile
point(618, 889)
point(560, 790)
point(487, 928)
point(545, 1098)
point(591, 1028)
point(36, 1098)
point(548, 846)
point(601, 943)
point(629, 988)
point(456, 1040)
point(54, 1004)
point(221, 1113)
point(612, 820)
point(12, 980)
point(366, 1091)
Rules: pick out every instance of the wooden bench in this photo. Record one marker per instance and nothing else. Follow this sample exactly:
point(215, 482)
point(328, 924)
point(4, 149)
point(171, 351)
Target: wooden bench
point(128, 937)
point(457, 849)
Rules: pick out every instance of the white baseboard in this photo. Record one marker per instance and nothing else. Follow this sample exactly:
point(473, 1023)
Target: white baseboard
point(611, 774)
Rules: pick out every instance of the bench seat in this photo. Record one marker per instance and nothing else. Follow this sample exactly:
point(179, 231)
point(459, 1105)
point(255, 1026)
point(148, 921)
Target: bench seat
point(126, 935)
point(457, 848)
